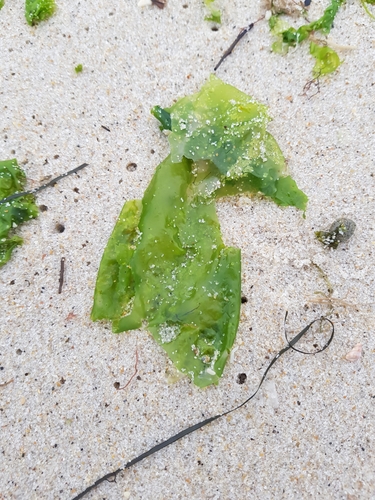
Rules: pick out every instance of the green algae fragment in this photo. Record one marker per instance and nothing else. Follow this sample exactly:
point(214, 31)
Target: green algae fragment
point(78, 69)
point(290, 36)
point(2, 3)
point(15, 212)
point(163, 116)
point(165, 266)
point(214, 14)
point(38, 10)
point(339, 232)
point(327, 60)
point(365, 4)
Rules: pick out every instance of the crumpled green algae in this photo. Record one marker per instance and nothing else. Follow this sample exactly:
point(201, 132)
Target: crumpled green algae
point(165, 266)
point(327, 59)
point(14, 212)
point(38, 10)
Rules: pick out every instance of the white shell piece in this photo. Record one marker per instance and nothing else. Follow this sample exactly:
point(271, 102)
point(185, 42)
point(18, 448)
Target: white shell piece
point(355, 353)
point(144, 3)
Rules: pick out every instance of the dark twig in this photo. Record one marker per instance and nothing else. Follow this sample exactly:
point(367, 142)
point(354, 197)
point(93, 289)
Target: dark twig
point(44, 186)
point(239, 37)
point(199, 425)
point(105, 128)
point(6, 383)
point(62, 269)
point(307, 87)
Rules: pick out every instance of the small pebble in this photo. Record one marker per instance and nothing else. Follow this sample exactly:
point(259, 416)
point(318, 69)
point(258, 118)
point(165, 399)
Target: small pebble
point(355, 354)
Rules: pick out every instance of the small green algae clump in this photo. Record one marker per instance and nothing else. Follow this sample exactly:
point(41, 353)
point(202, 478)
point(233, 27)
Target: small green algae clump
point(340, 231)
point(214, 14)
point(14, 212)
point(165, 265)
point(78, 68)
point(327, 59)
point(39, 10)
point(2, 3)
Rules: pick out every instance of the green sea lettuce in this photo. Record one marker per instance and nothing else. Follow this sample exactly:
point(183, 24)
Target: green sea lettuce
point(165, 266)
point(14, 212)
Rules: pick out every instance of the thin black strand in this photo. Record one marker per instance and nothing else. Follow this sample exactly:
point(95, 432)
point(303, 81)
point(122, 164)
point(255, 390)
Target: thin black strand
point(44, 186)
point(113, 475)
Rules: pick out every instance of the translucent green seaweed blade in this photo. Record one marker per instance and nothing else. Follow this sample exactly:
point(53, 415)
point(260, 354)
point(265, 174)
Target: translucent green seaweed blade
point(223, 125)
point(114, 284)
point(290, 37)
point(214, 14)
point(186, 283)
point(165, 266)
point(15, 212)
point(215, 124)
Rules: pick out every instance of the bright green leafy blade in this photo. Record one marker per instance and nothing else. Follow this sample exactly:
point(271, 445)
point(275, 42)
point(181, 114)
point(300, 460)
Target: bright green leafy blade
point(222, 124)
point(165, 265)
point(217, 123)
point(184, 283)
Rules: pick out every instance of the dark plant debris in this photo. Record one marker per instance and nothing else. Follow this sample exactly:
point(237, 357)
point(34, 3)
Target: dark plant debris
point(62, 271)
point(340, 231)
point(232, 46)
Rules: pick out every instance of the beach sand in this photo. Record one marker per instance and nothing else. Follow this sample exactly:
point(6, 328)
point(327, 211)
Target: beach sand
point(310, 431)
